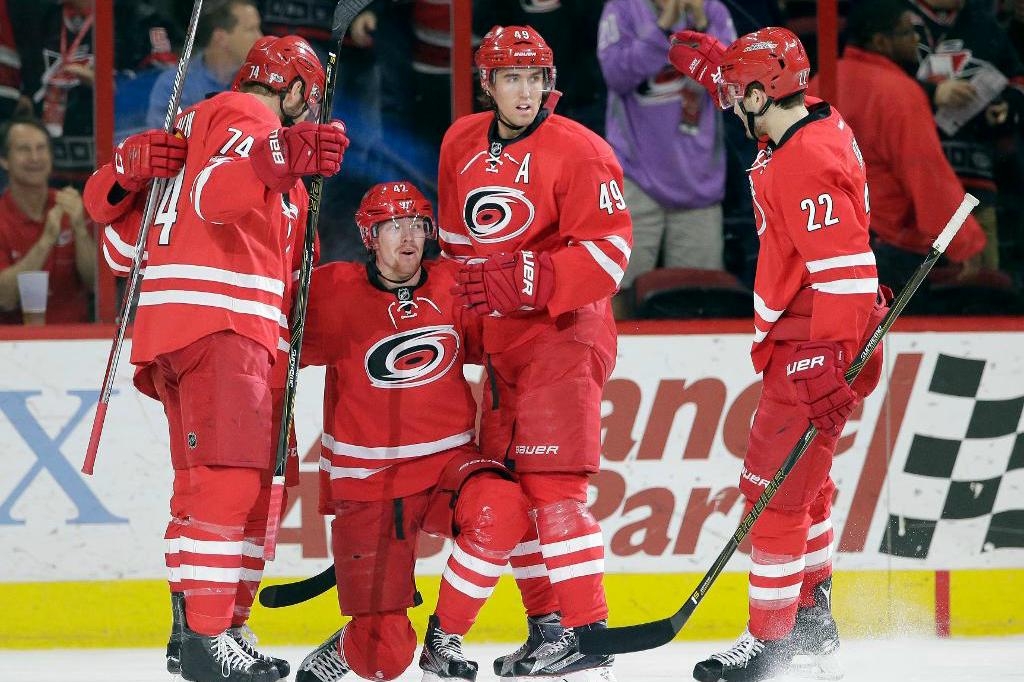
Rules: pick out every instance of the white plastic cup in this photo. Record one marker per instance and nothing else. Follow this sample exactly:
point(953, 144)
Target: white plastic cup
point(33, 287)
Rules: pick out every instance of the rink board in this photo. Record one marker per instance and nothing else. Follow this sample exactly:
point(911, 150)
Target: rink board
point(929, 520)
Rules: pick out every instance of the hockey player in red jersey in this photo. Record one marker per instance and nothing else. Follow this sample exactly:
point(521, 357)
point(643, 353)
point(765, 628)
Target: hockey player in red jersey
point(218, 265)
point(532, 203)
point(816, 298)
point(398, 453)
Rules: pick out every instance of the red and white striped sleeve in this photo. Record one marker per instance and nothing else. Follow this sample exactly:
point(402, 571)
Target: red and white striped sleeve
point(598, 230)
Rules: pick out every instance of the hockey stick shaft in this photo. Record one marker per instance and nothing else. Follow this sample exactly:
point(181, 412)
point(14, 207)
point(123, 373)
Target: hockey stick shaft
point(290, 594)
point(344, 13)
point(656, 633)
point(156, 190)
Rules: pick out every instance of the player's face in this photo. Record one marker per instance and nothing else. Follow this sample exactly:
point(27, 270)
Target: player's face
point(29, 160)
point(294, 104)
point(400, 247)
point(517, 93)
point(903, 41)
point(243, 34)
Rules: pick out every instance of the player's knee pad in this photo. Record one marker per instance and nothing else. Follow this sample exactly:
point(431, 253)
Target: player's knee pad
point(780, 532)
point(491, 514)
point(379, 646)
point(565, 519)
point(223, 495)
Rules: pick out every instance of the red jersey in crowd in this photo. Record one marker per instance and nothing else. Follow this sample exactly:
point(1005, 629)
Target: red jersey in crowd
point(811, 205)
point(913, 188)
point(555, 188)
point(68, 300)
point(395, 394)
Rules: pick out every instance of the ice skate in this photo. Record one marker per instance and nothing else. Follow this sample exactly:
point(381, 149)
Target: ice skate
point(174, 641)
point(815, 638)
point(220, 659)
point(326, 663)
point(748, 660)
point(246, 639)
point(561, 657)
point(545, 628)
point(442, 657)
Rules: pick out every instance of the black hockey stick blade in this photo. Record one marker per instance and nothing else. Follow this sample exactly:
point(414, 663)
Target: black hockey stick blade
point(290, 594)
point(344, 13)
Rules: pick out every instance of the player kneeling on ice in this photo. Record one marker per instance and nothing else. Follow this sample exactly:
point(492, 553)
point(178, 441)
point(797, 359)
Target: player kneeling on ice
point(216, 285)
point(398, 453)
point(816, 297)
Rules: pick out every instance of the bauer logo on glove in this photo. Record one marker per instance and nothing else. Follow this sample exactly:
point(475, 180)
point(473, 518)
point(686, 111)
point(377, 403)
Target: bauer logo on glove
point(506, 283)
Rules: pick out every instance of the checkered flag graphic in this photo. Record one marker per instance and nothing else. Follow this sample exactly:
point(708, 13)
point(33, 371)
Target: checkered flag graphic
point(964, 493)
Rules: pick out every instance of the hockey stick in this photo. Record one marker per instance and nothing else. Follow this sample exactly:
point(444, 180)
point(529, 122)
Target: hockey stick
point(629, 638)
point(344, 13)
point(156, 190)
point(290, 594)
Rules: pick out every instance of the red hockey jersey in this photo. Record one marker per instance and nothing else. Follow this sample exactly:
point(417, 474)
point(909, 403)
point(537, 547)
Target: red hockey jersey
point(215, 257)
point(556, 188)
point(395, 394)
point(120, 236)
point(811, 203)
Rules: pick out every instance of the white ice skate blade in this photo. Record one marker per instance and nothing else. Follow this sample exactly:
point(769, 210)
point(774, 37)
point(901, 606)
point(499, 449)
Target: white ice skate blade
point(604, 674)
point(807, 667)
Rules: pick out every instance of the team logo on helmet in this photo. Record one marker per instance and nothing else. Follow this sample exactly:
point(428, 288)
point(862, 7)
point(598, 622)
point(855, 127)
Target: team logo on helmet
point(497, 214)
point(412, 358)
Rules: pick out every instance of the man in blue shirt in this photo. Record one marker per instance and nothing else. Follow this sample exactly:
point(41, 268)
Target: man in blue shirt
point(226, 31)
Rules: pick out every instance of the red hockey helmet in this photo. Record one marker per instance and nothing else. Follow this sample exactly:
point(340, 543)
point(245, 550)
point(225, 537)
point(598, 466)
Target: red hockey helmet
point(773, 57)
point(278, 62)
point(509, 47)
point(389, 200)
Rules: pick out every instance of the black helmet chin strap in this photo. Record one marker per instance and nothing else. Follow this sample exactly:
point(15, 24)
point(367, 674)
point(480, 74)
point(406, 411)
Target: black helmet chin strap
point(751, 115)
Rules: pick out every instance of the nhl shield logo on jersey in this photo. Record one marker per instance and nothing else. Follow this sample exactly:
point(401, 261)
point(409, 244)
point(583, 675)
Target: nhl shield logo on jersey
point(497, 214)
point(412, 358)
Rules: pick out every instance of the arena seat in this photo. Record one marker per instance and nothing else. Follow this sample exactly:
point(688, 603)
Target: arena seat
point(672, 293)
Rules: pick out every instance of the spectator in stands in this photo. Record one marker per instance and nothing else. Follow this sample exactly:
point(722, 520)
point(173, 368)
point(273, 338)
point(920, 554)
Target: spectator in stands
point(963, 41)
point(913, 189)
point(667, 133)
point(42, 228)
point(226, 31)
point(59, 76)
point(10, 66)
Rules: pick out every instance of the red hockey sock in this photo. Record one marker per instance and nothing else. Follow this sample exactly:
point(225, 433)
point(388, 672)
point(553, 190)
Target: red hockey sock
point(211, 544)
point(776, 574)
point(570, 543)
point(491, 515)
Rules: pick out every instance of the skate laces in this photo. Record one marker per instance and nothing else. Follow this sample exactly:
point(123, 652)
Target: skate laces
point(745, 648)
point(230, 655)
point(327, 664)
point(555, 649)
point(448, 646)
point(247, 639)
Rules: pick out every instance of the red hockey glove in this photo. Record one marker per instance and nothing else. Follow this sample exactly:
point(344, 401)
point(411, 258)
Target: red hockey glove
point(506, 282)
point(697, 55)
point(148, 155)
point(305, 148)
point(816, 370)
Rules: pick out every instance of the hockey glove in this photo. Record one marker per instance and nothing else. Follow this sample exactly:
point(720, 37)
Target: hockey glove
point(816, 370)
point(306, 148)
point(148, 155)
point(506, 283)
point(697, 55)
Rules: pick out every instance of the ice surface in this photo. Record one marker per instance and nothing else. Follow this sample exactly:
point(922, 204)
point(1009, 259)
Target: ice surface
point(896, 660)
